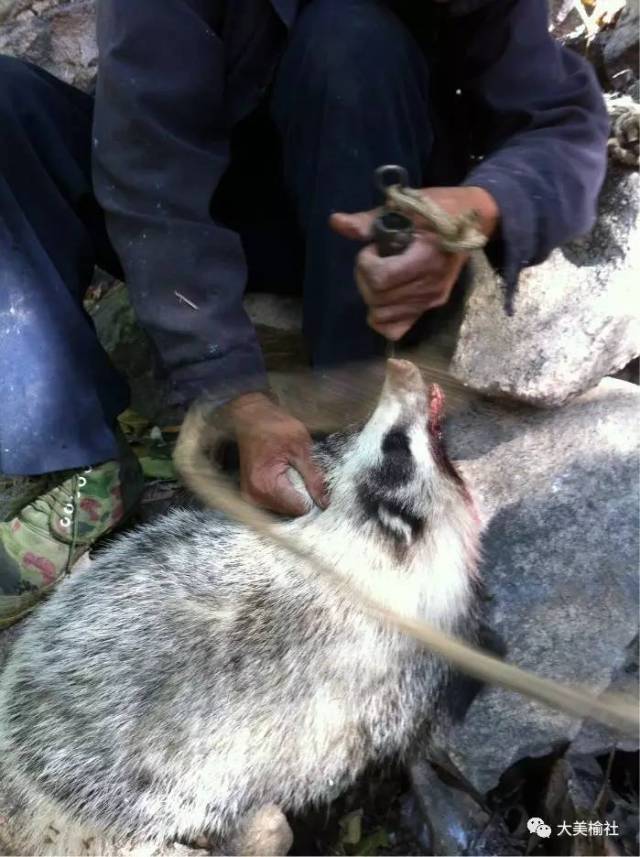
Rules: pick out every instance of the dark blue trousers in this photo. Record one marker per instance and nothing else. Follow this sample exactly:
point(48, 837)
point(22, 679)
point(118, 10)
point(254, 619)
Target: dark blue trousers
point(339, 107)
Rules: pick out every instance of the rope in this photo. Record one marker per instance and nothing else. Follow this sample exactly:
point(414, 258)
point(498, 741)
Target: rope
point(457, 233)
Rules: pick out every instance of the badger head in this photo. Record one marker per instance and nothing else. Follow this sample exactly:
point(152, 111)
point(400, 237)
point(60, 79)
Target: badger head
point(393, 476)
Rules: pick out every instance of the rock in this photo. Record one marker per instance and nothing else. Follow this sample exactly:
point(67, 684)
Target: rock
point(559, 492)
point(11, 9)
point(456, 821)
point(618, 47)
point(278, 323)
point(59, 36)
point(563, 14)
point(584, 781)
point(274, 312)
point(454, 818)
point(566, 24)
point(494, 840)
point(594, 736)
point(412, 819)
point(575, 318)
point(580, 789)
point(572, 790)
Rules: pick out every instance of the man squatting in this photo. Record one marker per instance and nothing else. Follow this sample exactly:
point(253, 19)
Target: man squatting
point(222, 145)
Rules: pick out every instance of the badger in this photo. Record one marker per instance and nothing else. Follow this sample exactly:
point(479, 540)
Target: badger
point(195, 683)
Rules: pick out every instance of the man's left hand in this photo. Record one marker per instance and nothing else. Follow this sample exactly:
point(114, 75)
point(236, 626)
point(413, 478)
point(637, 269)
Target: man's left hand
point(399, 289)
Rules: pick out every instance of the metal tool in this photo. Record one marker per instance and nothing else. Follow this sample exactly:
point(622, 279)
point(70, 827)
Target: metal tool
point(392, 231)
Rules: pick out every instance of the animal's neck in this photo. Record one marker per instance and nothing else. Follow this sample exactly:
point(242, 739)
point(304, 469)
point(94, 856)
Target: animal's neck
point(431, 582)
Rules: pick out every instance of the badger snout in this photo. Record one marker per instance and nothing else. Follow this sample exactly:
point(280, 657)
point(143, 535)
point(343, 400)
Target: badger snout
point(403, 377)
point(404, 394)
point(404, 383)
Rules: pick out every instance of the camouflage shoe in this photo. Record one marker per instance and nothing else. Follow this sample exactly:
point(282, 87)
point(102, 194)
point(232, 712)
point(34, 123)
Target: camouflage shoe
point(42, 542)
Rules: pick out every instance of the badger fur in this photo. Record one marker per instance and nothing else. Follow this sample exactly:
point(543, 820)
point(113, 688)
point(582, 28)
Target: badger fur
point(195, 681)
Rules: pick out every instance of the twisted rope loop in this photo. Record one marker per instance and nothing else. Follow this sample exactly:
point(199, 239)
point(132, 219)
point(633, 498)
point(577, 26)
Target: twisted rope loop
point(457, 233)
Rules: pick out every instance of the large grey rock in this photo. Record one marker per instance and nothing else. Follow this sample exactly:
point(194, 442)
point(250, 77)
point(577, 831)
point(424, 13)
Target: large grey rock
point(560, 494)
point(54, 34)
point(576, 315)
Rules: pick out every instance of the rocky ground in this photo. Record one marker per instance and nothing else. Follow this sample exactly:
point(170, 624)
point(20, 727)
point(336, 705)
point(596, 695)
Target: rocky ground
point(558, 487)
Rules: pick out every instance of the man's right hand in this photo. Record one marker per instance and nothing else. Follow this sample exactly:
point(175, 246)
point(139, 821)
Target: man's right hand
point(269, 442)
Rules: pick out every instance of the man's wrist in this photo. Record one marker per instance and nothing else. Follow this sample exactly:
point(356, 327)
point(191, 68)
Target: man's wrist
point(481, 201)
point(249, 401)
point(461, 200)
point(244, 407)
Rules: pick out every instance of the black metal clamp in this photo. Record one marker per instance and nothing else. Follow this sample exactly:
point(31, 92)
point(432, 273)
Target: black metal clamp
point(392, 231)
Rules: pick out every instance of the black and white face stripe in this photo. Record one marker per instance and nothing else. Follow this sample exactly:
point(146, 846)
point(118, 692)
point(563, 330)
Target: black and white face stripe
point(398, 465)
point(395, 517)
point(384, 494)
point(399, 519)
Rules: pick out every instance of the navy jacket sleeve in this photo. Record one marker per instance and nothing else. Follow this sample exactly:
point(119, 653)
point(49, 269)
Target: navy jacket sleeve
point(161, 144)
point(541, 126)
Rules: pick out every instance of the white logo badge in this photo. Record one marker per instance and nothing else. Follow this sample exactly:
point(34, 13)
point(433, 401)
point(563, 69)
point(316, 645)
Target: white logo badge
point(537, 826)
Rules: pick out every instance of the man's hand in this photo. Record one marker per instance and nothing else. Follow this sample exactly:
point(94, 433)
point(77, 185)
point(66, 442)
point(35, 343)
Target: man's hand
point(270, 441)
point(399, 289)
